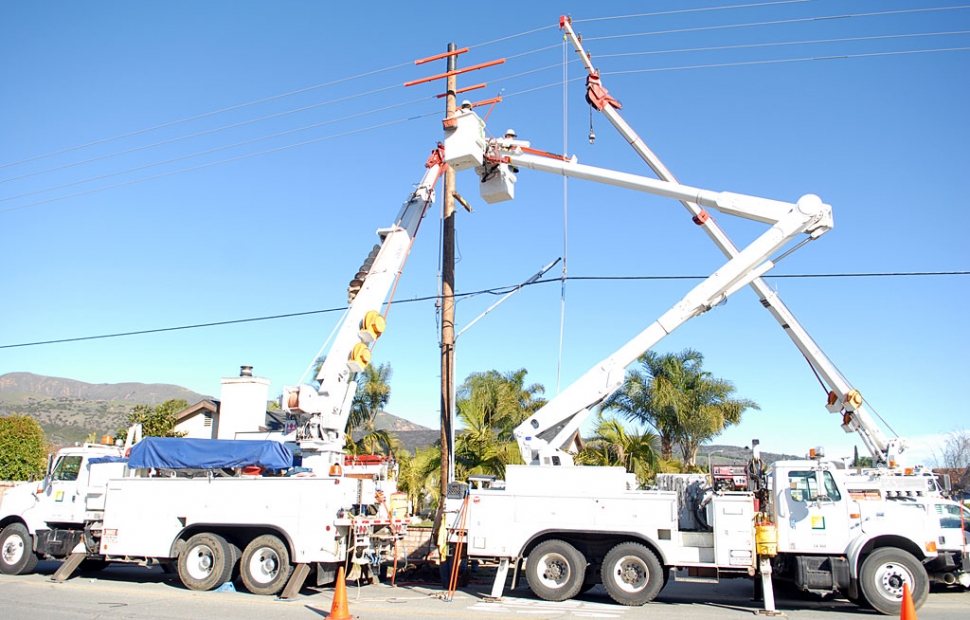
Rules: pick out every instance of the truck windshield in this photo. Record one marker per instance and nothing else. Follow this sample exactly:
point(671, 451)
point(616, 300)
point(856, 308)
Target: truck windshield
point(67, 468)
point(804, 488)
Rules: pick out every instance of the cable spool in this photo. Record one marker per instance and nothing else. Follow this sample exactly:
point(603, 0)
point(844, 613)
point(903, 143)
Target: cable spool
point(359, 357)
point(854, 398)
point(372, 326)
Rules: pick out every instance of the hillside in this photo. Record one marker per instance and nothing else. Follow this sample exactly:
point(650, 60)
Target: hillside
point(19, 386)
point(70, 410)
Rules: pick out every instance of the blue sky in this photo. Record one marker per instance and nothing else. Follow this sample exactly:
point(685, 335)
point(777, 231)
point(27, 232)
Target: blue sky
point(158, 230)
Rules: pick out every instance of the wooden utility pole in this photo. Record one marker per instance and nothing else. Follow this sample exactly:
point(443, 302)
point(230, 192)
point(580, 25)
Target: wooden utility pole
point(447, 300)
point(448, 294)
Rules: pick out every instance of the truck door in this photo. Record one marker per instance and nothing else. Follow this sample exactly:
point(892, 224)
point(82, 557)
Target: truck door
point(813, 513)
point(954, 533)
point(65, 503)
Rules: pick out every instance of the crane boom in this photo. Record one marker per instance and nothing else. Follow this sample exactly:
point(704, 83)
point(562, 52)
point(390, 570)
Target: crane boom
point(542, 436)
point(843, 398)
point(326, 409)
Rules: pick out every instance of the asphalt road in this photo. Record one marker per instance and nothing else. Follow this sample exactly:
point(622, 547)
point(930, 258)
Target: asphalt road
point(128, 592)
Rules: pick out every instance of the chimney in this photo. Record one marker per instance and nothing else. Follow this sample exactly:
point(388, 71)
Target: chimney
point(242, 407)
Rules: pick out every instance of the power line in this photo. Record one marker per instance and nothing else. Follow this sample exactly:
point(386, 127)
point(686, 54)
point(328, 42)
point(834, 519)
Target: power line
point(204, 115)
point(697, 10)
point(214, 150)
point(784, 60)
point(500, 290)
point(217, 163)
point(210, 131)
point(254, 102)
point(782, 43)
point(728, 64)
point(775, 22)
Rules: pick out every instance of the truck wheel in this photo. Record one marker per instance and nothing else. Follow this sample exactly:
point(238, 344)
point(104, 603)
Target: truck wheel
point(205, 562)
point(265, 565)
point(555, 570)
point(882, 577)
point(17, 555)
point(632, 574)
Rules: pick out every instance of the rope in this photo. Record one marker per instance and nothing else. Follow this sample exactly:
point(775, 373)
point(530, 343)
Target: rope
point(565, 211)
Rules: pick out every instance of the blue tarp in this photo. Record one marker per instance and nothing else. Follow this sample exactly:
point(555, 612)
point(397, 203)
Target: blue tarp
point(178, 453)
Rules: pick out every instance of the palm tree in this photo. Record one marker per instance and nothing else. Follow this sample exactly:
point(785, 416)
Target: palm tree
point(684, 403)
point(490, 406)
point(373, 394)
point(707, 409)
point(613, 445)
point(418, 476)
point(648, 397)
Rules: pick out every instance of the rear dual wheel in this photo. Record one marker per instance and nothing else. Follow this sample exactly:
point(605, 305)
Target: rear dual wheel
point(632, 574)
point(206, 562)
point(555, 570)
point(265, 565)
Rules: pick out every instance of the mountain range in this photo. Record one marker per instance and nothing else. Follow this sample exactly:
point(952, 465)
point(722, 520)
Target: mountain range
point(70, 410)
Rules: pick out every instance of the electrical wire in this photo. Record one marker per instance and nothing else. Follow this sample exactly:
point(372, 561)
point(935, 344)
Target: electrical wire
point(782, 43)
point(259, 101)
point(500, 290)
point(215, 150)
point(784, 60)
point(206, 114)
point(697, 10)
point(210, 131)
point(220, 162)
point(775, 22)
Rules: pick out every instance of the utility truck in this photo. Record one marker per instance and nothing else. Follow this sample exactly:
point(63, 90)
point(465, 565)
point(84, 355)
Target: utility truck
point(579, 526)
point(199, 507)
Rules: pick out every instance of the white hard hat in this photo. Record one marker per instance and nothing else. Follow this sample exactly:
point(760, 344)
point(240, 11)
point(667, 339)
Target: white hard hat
point(510, 132)
point(466, 103)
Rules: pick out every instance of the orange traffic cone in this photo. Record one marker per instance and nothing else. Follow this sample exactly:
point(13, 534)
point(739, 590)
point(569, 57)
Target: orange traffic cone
point(339, 611)
point(908, 610)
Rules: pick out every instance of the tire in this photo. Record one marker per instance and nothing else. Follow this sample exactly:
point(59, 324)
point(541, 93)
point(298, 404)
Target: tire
point(17, 555)
point(632, 574)
point(265, 565)
point(884, 571)
point(205, 562)
point(555, 570)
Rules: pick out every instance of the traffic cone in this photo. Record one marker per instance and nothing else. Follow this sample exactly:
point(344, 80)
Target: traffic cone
point(908, 610)
point(339, 611)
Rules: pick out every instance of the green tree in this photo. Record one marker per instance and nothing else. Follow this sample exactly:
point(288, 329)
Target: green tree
point(684, 403)
point(23, 451)
point(418, 476)
point(157, 421)
point(373, 394)
point(612, 444)
point(490, 406)
point(708, 407)
point(648, 396)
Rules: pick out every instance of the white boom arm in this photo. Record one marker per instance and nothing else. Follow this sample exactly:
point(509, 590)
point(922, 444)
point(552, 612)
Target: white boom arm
point(542, 436)
point(328, 407)
point(843, 398)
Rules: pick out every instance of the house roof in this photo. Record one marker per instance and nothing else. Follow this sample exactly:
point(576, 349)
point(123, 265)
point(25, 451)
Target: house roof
point(209, 404)
point(274, 421)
